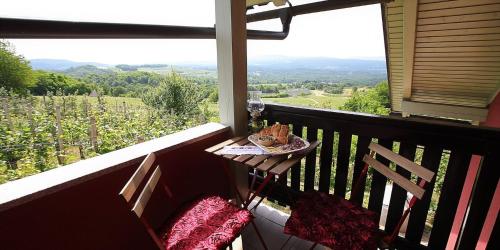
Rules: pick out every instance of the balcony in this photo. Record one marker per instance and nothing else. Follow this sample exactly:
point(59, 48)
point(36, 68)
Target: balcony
point(78, 205)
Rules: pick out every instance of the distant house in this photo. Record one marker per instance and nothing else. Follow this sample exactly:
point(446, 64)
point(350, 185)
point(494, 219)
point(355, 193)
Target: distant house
point(93, 93)
point(297, 92)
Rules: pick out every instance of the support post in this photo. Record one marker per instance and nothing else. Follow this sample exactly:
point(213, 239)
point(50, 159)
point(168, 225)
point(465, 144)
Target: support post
point(93, 134)
point(59, 133)
point(231, 35)
point(5, 103)
point(30, 116)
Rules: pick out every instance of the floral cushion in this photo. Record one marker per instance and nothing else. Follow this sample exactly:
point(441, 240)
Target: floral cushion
point(333, 222)
point(208, 223)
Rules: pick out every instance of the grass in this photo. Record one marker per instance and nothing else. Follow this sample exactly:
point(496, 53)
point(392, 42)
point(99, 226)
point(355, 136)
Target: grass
point(317, 99)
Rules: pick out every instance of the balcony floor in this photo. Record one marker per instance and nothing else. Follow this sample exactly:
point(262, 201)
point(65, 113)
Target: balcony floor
point(270, 222)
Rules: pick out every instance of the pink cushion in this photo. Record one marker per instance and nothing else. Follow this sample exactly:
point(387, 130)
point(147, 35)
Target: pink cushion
point(333, 222)
point(207, 223)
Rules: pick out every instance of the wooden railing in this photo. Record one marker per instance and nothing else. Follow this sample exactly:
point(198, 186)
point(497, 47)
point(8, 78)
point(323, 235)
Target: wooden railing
point(442, 147)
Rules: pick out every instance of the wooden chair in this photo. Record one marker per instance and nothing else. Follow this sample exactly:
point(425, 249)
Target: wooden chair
point(209, 222)
point(342, 224)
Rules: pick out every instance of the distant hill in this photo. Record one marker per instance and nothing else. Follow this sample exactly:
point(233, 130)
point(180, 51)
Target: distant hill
point(59, 64)
point(316, 63)
point(81, 71)
point(271, 69)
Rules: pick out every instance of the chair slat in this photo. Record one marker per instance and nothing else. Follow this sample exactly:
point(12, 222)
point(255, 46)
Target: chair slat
point(145, 195)
point(399, 194)
point(403, 162)
point(133, 183)
point(400, 180)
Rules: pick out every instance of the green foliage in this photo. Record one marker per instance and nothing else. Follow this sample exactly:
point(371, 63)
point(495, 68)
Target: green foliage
point(15, 71)
point(176, 96)
point(214, 96)
point(334, 89)
point(29, 144)
point(374, 100)
point(52, 82)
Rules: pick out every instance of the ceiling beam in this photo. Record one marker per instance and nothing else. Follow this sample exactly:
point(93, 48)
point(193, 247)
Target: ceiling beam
point(42, 29)
point(311, 8)
point(409, 29)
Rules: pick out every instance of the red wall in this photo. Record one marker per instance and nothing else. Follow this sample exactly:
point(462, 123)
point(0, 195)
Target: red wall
point(91, 215)
point(493, 119)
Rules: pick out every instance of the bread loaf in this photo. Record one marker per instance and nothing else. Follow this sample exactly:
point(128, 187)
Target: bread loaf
point(275, 130)
point(266, 131)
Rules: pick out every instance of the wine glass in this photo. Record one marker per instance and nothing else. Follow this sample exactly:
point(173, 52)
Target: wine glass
point(255, 105)
point(254, 102)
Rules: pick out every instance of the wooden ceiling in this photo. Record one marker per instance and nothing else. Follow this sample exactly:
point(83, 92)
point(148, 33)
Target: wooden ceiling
point(445, 53)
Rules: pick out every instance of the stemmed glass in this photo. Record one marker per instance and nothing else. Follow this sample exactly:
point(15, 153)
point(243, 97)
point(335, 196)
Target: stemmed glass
point(255, 106)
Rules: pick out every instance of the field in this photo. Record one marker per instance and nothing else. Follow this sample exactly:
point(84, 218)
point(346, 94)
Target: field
point(41, 133)
point(317, 99)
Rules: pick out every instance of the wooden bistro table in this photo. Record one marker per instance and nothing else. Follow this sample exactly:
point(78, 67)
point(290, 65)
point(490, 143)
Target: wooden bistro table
point(272, 165)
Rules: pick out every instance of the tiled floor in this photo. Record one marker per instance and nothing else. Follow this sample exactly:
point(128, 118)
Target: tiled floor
point(270, 222)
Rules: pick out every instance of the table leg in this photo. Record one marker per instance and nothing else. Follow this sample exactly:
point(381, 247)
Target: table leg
point(252, 184)
point(259, 189)
point(232, 182)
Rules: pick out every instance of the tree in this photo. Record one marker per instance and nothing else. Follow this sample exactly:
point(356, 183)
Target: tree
point(15, 71)
point(49, 81)
point(174, 95)
point(374, 100)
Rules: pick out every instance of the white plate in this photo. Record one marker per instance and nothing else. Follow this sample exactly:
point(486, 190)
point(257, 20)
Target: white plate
point(279, 149)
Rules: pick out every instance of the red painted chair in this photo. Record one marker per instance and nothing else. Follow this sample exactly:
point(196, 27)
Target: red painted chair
point(210, 222)
point(338, 223)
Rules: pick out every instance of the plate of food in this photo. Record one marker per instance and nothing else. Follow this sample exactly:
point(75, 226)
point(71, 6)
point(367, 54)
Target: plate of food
point(277, 140)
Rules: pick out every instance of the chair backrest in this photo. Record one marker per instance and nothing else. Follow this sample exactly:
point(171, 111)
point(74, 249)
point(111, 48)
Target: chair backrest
point(417, 190)
point(135, 181)
point(130, 189)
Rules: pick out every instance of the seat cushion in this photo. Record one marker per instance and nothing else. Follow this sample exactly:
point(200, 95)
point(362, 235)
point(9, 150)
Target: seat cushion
point(207, 223)
point(333, 222)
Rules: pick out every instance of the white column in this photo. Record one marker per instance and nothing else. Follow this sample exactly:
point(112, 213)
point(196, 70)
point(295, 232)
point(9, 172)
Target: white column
point(230, 20)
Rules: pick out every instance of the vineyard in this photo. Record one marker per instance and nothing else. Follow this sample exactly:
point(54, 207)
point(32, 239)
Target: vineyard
point(44, 132)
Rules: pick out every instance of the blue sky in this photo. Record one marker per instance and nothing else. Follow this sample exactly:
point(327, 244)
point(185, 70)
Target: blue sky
point(348, 33)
